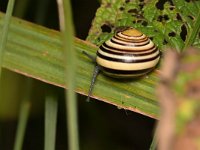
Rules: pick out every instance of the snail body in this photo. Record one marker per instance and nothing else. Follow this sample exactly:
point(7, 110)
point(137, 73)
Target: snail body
point(129, 53)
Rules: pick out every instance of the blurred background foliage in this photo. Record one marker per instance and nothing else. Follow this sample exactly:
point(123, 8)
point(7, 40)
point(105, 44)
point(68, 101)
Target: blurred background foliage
point(166, 22)
point(102, 126)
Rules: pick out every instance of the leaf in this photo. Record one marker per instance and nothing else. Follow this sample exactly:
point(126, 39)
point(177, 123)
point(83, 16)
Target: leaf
point(168, 22)
point(36, 52)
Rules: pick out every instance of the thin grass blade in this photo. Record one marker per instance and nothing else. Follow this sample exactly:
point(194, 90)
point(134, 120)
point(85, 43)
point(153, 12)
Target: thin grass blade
point(4, 34)
point(23, 116)
point(21, 8)
point(153, 143)
point(51, 109)
point(66, 25)
point(42, 11)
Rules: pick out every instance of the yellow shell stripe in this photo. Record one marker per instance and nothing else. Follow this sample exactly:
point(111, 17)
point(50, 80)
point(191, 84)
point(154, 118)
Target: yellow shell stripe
point(129, 57)
point(130, 43)
point(127, 66)
point(129, 47)
point(104, 47)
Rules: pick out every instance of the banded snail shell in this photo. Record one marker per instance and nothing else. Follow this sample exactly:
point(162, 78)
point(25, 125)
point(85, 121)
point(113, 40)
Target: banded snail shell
point(129, 53)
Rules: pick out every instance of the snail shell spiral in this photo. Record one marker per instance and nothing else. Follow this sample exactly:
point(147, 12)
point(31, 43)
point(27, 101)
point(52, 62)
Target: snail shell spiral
point(129, 53)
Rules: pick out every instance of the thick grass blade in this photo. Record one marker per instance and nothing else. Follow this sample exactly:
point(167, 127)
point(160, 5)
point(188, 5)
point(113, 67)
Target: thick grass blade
point(4, 32)
point(67, 30)
point(37, 52)
point(51, 108)
point(23, 116)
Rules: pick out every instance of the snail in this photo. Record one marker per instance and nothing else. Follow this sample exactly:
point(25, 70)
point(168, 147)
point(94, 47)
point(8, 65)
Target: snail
point(129, 53)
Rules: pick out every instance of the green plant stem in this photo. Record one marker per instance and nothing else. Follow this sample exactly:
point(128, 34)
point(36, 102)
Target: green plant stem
point(4, 33)
point(51, 107)
point(153, 143)
point(192, 35)
point(23, 116)
point(66, 24)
